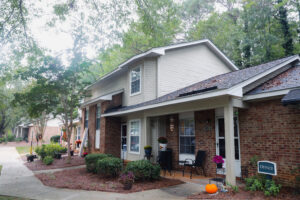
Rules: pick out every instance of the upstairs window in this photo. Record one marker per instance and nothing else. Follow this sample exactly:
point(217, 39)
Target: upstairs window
point(86, 118)
point(135, 81)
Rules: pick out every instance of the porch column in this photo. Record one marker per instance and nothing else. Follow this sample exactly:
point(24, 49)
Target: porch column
point(145, 133)
point(229, 142)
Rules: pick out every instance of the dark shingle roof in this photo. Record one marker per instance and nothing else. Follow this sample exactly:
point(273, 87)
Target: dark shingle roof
point(292, 97)
point(223, 81)
point(285, 80)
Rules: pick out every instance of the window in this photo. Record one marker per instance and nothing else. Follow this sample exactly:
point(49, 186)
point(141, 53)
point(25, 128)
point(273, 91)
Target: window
point(78, 133)
point(135, 81)
point(135, 126)
point(98, 117)
point(86, 118)
point(187, 136)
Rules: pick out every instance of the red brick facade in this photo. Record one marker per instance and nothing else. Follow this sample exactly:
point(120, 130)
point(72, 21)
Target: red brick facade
point(272, 132)
point(110, 128)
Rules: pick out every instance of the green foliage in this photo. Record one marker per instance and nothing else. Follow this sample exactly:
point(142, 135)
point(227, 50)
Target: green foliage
point(109, 167)
point(253, 160)
point(143, 170)
point(48, 160)
point(92, 159)
point(18, 139)
point(49, 150)
point(147, 147)
point(260, 183)
point(10, 137)
point(55, 138)
point(2, 139)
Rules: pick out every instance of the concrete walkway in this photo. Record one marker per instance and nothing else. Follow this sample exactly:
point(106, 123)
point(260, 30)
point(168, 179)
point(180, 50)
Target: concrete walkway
point(17, 180)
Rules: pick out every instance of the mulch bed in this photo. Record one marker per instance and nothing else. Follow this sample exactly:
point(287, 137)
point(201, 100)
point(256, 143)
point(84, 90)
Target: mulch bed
point(285, 193)
point(57, 163)
point(81, 179)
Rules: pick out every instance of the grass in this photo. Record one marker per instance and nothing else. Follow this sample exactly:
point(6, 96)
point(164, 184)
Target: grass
point(11, 198)
point(23, 150)
point(0, 169)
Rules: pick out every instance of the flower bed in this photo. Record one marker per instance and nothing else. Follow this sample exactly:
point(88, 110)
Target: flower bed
point(285, 194)
point(81, 179)
point(57, 163)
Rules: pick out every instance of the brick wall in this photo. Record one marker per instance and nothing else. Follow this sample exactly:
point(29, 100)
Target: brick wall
point(173, 138)
point(110, 128)
point(272, 132)
point(206, 138)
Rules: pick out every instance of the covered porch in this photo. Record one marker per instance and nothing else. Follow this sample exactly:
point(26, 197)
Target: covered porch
point(198, 125)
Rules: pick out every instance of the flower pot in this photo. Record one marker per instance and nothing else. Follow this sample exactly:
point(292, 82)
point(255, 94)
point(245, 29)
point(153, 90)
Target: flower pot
point(163, 147)
point(72, 153)
point(57, 155)
point(127, 185)
point(148, 152)
point(219, 165)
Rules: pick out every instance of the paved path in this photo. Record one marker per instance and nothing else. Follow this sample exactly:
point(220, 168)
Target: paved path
point(18, 180)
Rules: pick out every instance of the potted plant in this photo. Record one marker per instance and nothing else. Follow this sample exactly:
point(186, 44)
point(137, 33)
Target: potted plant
point(127, 179)
point(72, 152)
point(163, 142)
point(219, 161)
point(148, 150)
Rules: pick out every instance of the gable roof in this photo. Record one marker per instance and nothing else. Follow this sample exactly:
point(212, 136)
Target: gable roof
point(159, 51)
point(286, 80)
point(214, 84)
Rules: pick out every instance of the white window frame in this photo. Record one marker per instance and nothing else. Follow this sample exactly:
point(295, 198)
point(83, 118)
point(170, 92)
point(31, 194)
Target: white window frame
point(78, 132)
point(140, 86)
point(139, 121)
point(98, 130)
point(183, 156)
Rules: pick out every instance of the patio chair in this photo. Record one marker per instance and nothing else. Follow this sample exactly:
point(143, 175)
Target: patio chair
point(194, 164)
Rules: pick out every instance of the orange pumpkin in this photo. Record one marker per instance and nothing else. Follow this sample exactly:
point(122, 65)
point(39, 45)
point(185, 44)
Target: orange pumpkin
point(211, 188)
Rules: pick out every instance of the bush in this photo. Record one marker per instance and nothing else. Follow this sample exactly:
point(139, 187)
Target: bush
point(19, 139)
point(259, 183)
point(49, 150)
point(2, 140)
point(143, 170)
point(10, 137)
point(91, 161)
point(55, 138)
point(109, 167)
point(48, 160)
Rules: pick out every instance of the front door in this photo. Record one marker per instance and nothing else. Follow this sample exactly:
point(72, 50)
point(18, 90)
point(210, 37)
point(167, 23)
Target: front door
point(123, 141)
point(220, 143)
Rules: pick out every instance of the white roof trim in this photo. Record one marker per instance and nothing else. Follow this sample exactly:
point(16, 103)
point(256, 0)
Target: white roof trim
point(159, 51)
point(268, 94)
point(107, 97)
point(236, 91)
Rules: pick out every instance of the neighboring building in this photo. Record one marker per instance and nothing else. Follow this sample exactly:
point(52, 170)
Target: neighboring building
point(76, 134)
point(52, 129)
point(196, 97)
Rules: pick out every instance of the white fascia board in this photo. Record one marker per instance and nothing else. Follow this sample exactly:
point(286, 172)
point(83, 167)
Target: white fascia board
point(107, 97)
point(267, 94)
point(237, 90)
point(167, 103)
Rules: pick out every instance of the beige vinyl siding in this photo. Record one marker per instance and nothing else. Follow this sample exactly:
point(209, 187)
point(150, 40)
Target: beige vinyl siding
point(122, 81)
point(182, 67)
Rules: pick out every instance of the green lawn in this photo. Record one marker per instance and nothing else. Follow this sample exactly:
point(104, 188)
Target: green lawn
point(11, 198)
point(0, 169)
point(23, 150)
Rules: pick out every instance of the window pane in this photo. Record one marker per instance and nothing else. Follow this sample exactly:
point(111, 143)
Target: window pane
point(134, 143)
point(135, 80)
point(187, 145)
point(222, 147)
point(221, 127)
point(235, 127)
point(124, 131)
point(236, 148)
point(98, 124)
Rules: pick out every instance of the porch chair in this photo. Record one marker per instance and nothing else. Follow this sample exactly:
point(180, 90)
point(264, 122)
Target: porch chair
point(194, 164)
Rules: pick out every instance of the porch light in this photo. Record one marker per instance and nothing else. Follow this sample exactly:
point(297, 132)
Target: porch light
point(171, 124)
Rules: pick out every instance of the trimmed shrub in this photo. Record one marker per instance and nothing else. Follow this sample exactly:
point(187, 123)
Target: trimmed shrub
point(2, 140)
point(143, 170)
point(109, 167)
point(91, 161)
point(48, 160)
point(49, 150)
point(10, 137)
point(19, 139)
point(55, 138)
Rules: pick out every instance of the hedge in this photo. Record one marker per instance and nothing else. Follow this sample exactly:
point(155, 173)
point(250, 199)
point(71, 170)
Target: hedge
point(143, 170)
point(91, 161)
point(109, 167)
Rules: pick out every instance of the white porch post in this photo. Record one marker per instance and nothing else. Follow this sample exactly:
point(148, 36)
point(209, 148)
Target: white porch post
point(146, 133)
point(229, 143)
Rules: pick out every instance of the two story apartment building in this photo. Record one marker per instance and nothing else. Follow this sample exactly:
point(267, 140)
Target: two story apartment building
point(195, 96)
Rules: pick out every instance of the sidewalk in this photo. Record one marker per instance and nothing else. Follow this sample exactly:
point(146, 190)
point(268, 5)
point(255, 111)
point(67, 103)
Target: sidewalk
point(17, 180)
